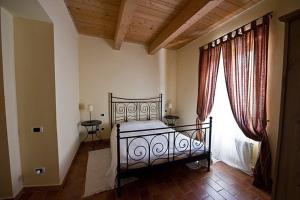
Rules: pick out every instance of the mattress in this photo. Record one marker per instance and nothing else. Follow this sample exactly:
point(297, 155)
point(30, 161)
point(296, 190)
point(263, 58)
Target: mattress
point(140, 150)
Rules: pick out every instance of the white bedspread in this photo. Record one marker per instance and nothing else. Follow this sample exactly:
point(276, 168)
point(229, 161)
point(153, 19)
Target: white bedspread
point(139, 148)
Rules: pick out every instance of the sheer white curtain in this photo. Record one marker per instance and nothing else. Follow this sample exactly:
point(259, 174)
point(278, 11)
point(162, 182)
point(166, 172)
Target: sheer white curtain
point(229, 144)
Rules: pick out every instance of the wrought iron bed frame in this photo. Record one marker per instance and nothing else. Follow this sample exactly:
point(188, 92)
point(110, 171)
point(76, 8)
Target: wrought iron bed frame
point(125, 109)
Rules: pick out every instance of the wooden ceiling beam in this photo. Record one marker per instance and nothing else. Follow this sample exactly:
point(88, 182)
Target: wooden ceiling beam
point(125, 15)
point(190, 14)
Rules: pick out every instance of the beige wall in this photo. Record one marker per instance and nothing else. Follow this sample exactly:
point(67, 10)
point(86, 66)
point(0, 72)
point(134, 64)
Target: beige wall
point(7, 32)
point(35, 86)
point(66, 82)
point(188, 56)
point(5, 178)
point(66, 77)
point(130, 72)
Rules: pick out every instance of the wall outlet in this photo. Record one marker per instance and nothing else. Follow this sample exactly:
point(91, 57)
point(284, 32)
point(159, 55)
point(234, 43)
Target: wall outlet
point(39, 170)
point(37, 130)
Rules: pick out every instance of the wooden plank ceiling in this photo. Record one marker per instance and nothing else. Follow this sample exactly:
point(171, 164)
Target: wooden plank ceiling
point(155, 23)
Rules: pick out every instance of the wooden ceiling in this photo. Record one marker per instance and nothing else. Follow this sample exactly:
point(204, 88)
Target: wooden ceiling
point(155, 23)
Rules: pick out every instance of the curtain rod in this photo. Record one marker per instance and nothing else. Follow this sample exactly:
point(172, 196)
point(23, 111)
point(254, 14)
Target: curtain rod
point(219, 38)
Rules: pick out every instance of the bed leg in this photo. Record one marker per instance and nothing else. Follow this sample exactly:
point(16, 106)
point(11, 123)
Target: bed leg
point(208, 163)
point(119, 193)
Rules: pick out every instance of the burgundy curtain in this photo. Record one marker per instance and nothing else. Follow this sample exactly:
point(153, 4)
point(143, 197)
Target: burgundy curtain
point(208, 72)
point(245, 65)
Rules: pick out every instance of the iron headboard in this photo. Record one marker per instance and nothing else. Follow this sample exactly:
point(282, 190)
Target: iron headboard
point(129, 109)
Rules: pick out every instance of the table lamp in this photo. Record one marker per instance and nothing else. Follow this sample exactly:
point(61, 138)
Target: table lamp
point(170, 106)
point(91, 109)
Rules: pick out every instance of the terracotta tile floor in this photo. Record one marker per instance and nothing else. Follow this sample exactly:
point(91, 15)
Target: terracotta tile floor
point(222, 182)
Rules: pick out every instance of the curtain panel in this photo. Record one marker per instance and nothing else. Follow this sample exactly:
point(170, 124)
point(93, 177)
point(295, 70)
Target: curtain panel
point(245, 68)
point(208, 72)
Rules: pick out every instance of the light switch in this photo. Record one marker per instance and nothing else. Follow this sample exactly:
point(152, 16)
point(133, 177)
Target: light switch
point(40, 170)
point(38, 130)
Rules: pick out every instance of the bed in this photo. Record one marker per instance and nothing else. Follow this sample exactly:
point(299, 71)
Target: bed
point(140, 141)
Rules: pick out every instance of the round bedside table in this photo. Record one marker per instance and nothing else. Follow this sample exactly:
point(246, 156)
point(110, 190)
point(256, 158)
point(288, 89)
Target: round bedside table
point(171, 119)
point(92, 127)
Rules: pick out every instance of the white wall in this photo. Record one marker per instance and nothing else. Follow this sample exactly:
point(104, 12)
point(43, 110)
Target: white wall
point(7, 31)
point(130, 72)
point(66, 82)
point(167, 74)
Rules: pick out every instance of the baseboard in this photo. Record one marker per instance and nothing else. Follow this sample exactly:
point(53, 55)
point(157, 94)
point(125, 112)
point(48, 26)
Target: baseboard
point(65, 178)
point(44, 188)
point(17, 197)
point(30, 189)
point(105, 140)
point(47, 188)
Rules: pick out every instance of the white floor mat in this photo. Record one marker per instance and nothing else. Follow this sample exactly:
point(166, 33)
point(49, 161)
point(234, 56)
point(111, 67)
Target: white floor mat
point(97, 166)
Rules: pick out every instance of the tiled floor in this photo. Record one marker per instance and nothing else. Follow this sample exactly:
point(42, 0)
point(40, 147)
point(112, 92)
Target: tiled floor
point(179, 182)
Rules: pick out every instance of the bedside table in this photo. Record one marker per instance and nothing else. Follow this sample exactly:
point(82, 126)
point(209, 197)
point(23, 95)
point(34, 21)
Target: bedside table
point(92, 127)
point(171, 119)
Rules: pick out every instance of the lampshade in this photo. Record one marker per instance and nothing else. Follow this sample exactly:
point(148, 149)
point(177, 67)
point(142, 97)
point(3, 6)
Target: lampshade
point(170, 106)
point(91, 107)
